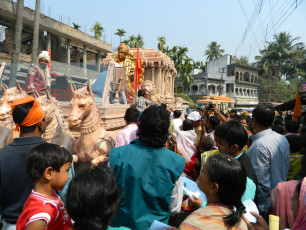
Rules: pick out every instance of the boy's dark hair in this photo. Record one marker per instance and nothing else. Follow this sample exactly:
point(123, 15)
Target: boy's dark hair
point(93, 198)
point(187, 125)
point(277, 129)
point(141, 93)
point(233, 111)
point(264, 115)
point(278, 122)
point(153, 126)
point(177, 113)
point(19, 114)
point(214, 121)
point(131, 115)
point(46, 155)
point(292, 126)
point(294, 143)
point(233, 132)
point(207, 143)
point(228, 173)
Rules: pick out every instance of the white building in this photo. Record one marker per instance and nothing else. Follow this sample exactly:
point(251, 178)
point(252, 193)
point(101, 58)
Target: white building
point(224, 78)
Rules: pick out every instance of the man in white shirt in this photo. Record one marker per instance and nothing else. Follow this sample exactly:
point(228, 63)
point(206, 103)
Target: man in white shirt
point(177, 121)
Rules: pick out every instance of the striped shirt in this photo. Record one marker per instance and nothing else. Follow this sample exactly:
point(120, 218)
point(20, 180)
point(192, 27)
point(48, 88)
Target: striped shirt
point(269, 155)
point(39, 207)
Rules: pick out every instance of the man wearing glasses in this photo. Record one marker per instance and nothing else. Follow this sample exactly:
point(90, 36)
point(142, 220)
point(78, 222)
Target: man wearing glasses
point(39, 76)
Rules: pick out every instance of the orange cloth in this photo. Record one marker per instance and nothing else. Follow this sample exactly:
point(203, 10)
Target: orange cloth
point(35, 115)
point(297, 107)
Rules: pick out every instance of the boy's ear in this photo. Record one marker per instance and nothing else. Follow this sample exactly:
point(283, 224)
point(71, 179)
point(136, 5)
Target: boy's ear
point(48, 173)
point(234, 148)
point(214, 189)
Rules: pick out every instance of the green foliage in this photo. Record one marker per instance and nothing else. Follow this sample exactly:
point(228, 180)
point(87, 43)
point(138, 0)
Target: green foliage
point(243, 60)
point(214, 51)
point(186, 98)
point(161, 43)
point(120, 33)
point(133, 41)
point(97, 29)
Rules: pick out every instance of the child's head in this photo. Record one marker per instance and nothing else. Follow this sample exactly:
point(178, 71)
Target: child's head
point(207, 143)
point(222, 174)
point(141, 93)
point(231, 137)
point(187, 125)
point(93, 198)
point(49, 162)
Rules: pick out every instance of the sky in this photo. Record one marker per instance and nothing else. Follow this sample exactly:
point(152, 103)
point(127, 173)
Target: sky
point(241, 27)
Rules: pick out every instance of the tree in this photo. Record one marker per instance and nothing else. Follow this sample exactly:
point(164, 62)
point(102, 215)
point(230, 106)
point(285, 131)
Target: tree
point(244, 60)
point(213, 51)
point(76, 26)
point(17, 42)
point(120, 33)
point(97, 29)
point(139, 41)
point(161, 43)
point(36, 32)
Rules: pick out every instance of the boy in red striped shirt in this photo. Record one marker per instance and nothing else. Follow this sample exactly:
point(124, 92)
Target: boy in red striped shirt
point(47, 165)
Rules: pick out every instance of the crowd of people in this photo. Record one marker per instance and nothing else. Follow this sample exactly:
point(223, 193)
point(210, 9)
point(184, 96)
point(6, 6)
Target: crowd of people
point(232, 159)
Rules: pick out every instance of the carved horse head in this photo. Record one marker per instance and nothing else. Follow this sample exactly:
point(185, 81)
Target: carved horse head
point(82, 104)
point(48, 104)
point(9, 96)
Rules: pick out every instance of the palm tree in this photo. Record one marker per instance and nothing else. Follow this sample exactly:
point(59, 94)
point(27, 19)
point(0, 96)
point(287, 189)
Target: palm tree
point(120, 33)
point(213, 51)
point(17, 42)
point(244, 60)
point(139, 41)
point(76, 26)
point(131, 42)
point(97, 29)
point(36, 32)
point(161, 43)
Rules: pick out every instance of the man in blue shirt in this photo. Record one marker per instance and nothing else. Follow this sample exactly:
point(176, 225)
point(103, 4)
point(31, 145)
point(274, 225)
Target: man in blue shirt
point(269, 154)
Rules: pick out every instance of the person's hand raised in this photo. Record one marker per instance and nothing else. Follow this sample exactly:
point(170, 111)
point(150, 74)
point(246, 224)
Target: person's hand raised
point(260, 225)
point(195, 202)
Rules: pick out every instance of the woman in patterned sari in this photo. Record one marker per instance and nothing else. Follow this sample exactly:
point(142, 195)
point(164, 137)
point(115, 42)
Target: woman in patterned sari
point(223, 180)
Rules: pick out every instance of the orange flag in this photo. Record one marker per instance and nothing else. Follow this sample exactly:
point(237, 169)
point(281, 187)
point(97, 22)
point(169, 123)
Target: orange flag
point(138, 69)
point(297, 107)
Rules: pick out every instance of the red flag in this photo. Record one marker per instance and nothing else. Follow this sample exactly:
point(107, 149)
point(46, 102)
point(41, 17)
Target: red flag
point(297, 107)
point(138, 69)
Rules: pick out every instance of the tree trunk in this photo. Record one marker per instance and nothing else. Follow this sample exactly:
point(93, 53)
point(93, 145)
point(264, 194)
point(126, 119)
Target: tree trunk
point(36, 32)
point(17, 43)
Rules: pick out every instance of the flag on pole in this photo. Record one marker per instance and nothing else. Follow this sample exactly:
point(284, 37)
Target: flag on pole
point(138, 70)
point(297, 107)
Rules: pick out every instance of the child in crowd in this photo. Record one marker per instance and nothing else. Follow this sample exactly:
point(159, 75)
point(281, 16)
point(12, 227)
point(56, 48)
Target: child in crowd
point(141, 102)
point(93, 199)
point(47, 165)
point(295, 156)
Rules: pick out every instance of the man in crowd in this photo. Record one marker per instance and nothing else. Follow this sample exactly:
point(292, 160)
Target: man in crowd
point(196, 121)
point(177, 121)
point(38, 77)
point(269, 154)
point(16, 186)
point(141, 102)
point(291, 127)
point(148, 173)
point(128, 133)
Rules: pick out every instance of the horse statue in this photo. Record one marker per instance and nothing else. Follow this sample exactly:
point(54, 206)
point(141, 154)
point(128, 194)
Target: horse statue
point(57, 131)
point(94, 144)
point(9, 95)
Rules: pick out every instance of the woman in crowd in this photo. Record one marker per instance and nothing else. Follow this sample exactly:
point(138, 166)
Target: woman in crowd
point(223, 180)
point(93, 198)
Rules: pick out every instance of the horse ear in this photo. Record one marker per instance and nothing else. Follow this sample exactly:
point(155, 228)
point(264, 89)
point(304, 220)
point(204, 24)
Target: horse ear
point(88, 87)
point(18, 87)
point(4, 86)
point(48, 95)
point(73, 88)
point(36, 94)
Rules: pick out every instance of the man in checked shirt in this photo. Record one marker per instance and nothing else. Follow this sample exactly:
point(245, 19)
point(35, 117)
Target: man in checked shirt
point(269, 155)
